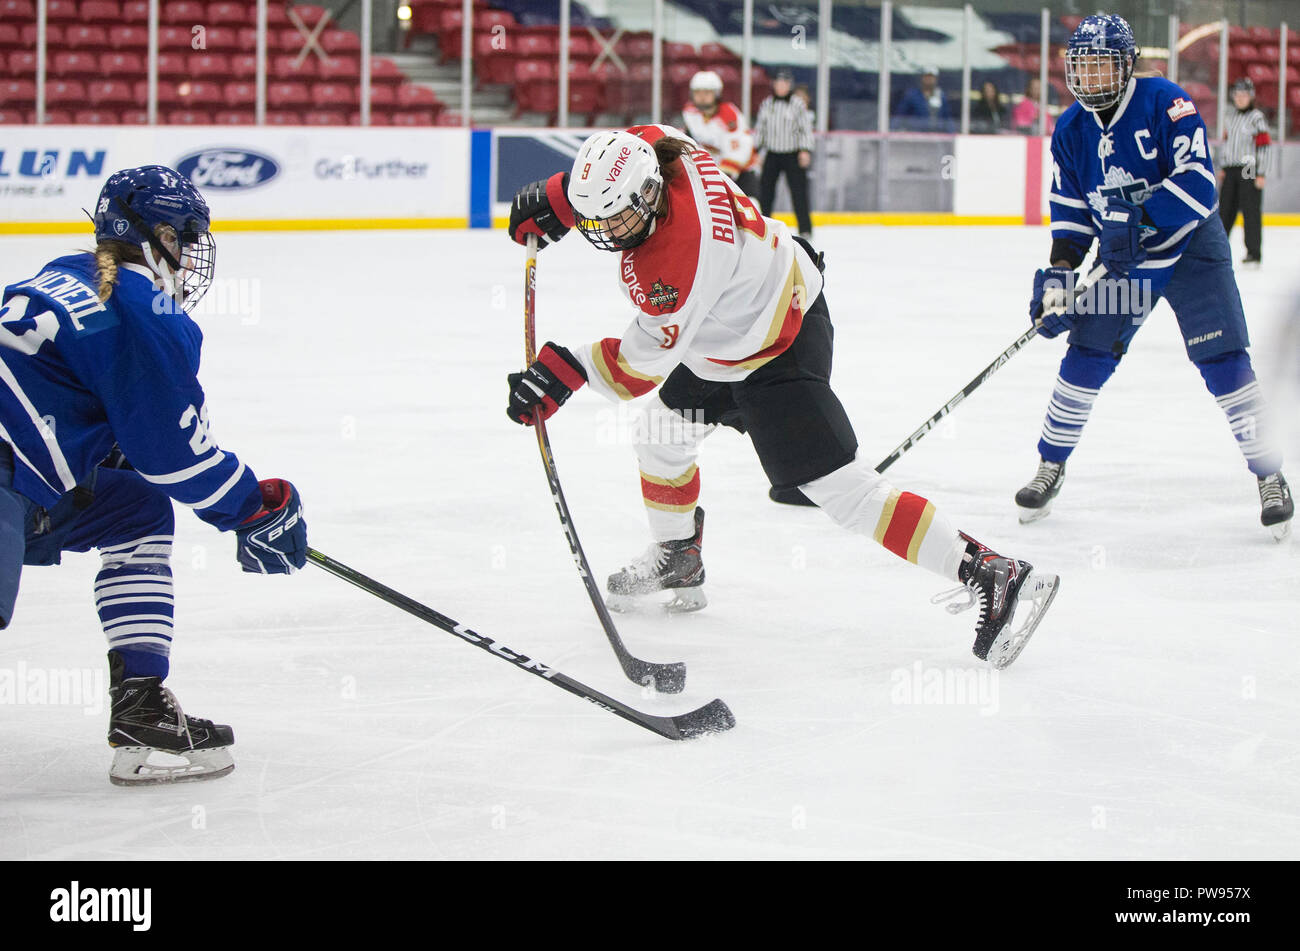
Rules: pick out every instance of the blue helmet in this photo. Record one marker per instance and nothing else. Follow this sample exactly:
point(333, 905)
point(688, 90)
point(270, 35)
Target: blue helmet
point(133, 204)
point(1099, 60)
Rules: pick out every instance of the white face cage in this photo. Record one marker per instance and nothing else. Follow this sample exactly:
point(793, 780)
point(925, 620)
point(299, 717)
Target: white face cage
point(627, 228)
point(185, 281)
point(1097, 78)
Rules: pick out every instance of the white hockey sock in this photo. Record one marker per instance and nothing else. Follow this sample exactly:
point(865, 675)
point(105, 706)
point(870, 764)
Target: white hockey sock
point(667, 446)
point(858, 498)
point(133, 594)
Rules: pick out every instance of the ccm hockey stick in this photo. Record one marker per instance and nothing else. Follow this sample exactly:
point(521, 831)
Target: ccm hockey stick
point(667, 678)
point(977, 382)
point(713, 717)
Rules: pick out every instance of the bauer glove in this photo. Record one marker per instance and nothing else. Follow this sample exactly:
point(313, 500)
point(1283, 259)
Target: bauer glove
point(546, 384)
point(273, 540)
point(543, 209)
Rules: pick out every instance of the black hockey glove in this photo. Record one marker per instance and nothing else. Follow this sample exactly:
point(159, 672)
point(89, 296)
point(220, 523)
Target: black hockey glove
point(547, 383)
point(543, 209)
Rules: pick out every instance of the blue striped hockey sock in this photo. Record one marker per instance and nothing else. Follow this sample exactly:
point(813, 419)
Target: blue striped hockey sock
point(1082, 374)
point(133, 596)
point(1231, 380)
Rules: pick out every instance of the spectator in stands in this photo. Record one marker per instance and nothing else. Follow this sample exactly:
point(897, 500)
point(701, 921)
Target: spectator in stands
point(988, 114)
point(924, 108)
point(1024, 117)
point(784, 130)
point(722, 129)
point(1244, 164)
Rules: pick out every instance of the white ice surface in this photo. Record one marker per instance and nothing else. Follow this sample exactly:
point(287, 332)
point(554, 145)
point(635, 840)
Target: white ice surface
point(1155, 714)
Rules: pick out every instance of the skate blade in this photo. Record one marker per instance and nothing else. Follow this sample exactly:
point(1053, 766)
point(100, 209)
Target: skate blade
point(145, 766)
point(1039, 591)
point(1033, 515)
point(1281, 530)
point(683, 601)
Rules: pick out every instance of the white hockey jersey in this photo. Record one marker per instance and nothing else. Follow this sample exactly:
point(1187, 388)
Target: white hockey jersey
point(725, 135)
point(718, 287)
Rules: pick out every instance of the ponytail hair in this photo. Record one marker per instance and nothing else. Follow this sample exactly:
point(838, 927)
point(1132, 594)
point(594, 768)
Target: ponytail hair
point(108, 256)
point(668, 150)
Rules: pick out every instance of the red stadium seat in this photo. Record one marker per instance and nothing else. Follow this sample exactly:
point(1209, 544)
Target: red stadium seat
point(173, 65)
point(186, 13)
point(12, 117)
point(83, 37)
point(334, 96)
point(243, 65)
point(341, 68)
point(485, 20)
point(223, 39)
point(537, 44)
point(1270, 53)
point(286, 66)
point(128, 37)
point(680, 53)
point(21, 64)
point(56, 117)
point(175, 37)
point(53, 35)
point(65, 93)
point(376, 118)
point(413, 119)
point(240, 93)
point(1242, 52)
point(248, 39)
point(383, 97)
point(74, 66)
point(412, 97)
point(634, 47)
point(201, 94)
point(189, 117)
point(231, 14)
point(309, 13)
point(209, 65)
point(61, 11)
point(17, 92)
point(10, 36)
point(115, 94)
point(234, 117)
point(135, 11)
point(283, 117)
point(340, 41)
point(130, 65)
point(287, 95)
point(324, 117)
point(134, 116)
point(17, 11)
point(95, 117)
point(714, 55)
point(383, 70)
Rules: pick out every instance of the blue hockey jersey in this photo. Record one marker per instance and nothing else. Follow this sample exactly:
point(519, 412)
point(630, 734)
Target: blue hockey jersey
point(78, 375)
point(1153, 152)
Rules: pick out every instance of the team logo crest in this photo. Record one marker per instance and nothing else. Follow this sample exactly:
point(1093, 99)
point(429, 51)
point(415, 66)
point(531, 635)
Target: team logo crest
point(1181, 109)
point(663, 296)
point(120, 226)
point(1118, 183)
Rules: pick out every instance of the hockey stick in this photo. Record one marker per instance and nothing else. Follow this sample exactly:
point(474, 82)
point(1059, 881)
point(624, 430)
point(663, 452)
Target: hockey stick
point(713, 717)
point(977, 382)
point(668, 678)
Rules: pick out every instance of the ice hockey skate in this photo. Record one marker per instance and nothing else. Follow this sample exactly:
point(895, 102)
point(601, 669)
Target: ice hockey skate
point(676, 567)
point(1275, 505)
point(1007, 591)
point(154, 740)
point(1035, 499)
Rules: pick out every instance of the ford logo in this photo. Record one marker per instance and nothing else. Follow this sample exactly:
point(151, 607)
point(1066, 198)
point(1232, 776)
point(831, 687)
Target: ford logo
point(228, 168)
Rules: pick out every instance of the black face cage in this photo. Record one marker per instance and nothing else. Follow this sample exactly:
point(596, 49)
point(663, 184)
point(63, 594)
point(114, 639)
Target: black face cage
point(198, 264)
point(1084, 72)
point(621, 231)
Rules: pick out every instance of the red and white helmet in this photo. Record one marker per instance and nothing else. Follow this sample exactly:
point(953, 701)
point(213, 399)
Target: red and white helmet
point(614, 189)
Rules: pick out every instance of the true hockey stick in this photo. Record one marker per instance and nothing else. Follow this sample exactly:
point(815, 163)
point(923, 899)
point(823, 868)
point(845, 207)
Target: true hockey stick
point(668, 678)
point(977, 382)
point(713, 717)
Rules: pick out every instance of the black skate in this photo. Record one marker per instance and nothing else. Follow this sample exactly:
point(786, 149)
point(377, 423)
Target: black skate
point(146, 722)
point(675, 566)
point(1275, 505)
point(1035, 499)
point(1001, 586)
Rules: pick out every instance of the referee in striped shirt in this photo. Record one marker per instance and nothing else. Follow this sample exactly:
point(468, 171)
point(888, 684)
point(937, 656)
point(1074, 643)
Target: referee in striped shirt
point(1245, 163)
point(784, 129)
